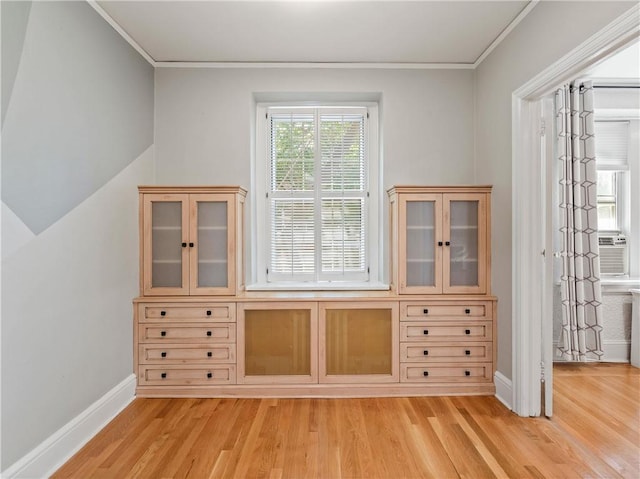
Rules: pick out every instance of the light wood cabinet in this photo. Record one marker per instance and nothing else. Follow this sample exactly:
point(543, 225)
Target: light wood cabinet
point(279, 343)
point(191, 240)
point(440, 240)
point(359, 342)
point(199, 333)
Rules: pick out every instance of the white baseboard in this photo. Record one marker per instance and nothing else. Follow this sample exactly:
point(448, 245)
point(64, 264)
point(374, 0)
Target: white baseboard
point(46, 458)
point(614, 351)
point(504, 389)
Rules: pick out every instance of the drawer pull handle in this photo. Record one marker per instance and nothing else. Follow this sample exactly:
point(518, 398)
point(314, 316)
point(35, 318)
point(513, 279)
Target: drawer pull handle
point(163, 333)
point(209, 354)
point(209, 333)
point(467, 352)
point(190, 245)
point(184, 245)
point(467, 331)
point(425, 311)
point(209, 375)
point(467, 373)
point(163, 313)
point(208, 313)
point(425, 373)
point(426, 331)
point(425, 352)
point(163, 375)
point(467, 311)
point(163, 354)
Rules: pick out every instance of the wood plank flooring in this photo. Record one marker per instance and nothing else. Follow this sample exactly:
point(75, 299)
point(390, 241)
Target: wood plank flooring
point(595, 432)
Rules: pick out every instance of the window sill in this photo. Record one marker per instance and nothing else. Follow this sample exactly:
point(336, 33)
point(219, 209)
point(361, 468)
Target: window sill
point(324, 286)
point(619, 284)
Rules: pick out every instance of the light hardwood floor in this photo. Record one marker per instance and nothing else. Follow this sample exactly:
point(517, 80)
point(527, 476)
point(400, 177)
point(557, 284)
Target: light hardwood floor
point(595, 432)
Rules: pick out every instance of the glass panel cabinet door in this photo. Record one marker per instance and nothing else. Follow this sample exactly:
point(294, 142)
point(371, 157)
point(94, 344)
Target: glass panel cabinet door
point(359, 342)
point(278, 343)
point(212, 239)
point(166, 261)
point(464, 258)
point(420, 268)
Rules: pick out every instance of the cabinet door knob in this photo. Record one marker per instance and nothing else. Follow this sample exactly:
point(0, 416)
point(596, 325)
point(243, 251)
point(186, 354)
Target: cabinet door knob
point(439, 243)
point(447, 243)
point(209, 333)
point(425, 373)
point(467, 373)
point(467, 331)
point(190, 245)
point(163, 354)
point(467, 352)
point(208, 313)
point(184, 245)
point(163, 375)
point(467, 311)
point(425, 331)
point(163, 333)
point(425, 311)
point(209, 354)
point(163, 313)
point(425, 352)
point(209, 375)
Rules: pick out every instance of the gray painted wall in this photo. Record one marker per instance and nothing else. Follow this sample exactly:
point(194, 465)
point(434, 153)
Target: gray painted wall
point(77, 114)
point(548, 32)
point(76, 140)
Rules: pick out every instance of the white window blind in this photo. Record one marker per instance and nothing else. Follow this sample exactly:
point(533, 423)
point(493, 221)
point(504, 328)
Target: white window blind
point(612, 141)
point(317, 194)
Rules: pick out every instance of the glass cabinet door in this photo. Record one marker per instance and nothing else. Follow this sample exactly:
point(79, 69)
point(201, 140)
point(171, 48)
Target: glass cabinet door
point(463, 257)
point(359, 342)
point(166, 262)
point(212, 239)
point(420, 251)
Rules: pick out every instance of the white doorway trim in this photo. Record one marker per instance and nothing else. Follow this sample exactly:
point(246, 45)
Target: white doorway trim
point(528, 206)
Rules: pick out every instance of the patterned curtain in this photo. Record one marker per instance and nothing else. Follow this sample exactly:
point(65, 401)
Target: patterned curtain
point(580, 339)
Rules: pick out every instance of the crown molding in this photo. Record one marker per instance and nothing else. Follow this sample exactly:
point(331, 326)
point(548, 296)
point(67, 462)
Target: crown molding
point(319, 65)
point(514, 23)
point(121, 31)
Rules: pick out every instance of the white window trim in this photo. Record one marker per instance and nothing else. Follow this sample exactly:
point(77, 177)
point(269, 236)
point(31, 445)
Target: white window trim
point(375, 236)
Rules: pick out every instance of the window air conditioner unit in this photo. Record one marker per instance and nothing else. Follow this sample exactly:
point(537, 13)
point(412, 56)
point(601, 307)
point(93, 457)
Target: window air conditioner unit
point(613, 255)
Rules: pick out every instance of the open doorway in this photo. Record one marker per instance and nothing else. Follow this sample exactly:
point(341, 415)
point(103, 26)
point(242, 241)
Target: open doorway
point(616, 94)
point(532, 326)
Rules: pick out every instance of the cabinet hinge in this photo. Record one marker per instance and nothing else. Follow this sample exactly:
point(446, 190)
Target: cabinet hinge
point(367, 115)
point(543, 128)
point(368, 270)
point(267, 270)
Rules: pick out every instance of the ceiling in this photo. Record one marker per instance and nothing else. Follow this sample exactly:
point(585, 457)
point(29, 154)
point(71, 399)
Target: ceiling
point(330, 31)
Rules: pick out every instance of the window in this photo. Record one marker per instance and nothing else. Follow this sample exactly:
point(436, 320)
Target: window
point(611, 156)
point(318, 222)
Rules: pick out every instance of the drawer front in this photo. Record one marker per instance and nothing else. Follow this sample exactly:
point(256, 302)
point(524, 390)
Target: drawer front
point(416, 311)
point(219, 312)
point(428, 373)
point(186, 376)
point(200, 353)
point(176, 333)
point(446, 331)
point(454, 352)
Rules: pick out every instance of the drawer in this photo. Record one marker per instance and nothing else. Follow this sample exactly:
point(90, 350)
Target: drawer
point(216, 312)
point(428, 373)
point(187, 353)
point(446, 331)
point(188, 332)
point(186, 376)
point(454, 352)
point(411, 311)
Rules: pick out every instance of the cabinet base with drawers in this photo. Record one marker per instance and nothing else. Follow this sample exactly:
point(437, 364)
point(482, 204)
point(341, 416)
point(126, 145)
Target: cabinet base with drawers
point(314, 345)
